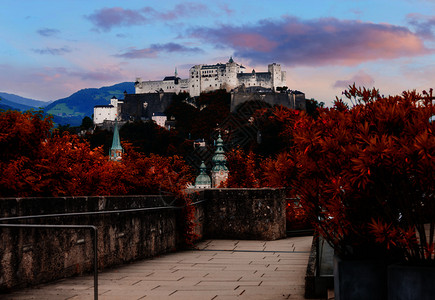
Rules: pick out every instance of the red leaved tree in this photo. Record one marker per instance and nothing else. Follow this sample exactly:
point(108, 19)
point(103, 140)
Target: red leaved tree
point(364, 168)
point(37, 163)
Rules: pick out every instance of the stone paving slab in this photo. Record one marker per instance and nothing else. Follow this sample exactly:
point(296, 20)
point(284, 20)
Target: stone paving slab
point(217, 269)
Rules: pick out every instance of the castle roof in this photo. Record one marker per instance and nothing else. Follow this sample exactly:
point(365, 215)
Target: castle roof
point(108, 106)
point(213, 66)
point(169, 78)
point(219, 65)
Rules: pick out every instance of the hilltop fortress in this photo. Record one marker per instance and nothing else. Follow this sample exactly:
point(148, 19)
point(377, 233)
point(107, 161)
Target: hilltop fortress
point(205, 78)
point(151, 98)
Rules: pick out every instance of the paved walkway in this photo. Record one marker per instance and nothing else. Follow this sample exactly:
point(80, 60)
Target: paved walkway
point(220, 269)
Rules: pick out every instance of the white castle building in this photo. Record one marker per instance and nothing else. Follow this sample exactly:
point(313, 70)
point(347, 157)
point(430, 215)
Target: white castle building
point(155, 96)
point(107, 112)
point(205, 78)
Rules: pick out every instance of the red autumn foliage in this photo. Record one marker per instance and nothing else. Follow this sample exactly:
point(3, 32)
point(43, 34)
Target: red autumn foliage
point(363, 174)
point(244, 169)
point(373, 161)
point(40, 164)
point(22, 133)
point(35, 163)
point(251, 170)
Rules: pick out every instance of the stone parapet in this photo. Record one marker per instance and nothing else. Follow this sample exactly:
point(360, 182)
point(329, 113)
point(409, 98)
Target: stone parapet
point(129, 228)
point(253, 214)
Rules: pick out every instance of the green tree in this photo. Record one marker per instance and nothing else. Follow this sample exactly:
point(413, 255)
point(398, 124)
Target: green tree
point(87, 123)
point(312, 107)
point(148, 137)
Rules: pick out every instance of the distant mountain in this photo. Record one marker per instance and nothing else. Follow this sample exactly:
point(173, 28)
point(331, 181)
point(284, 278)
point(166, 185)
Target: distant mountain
point(20, 103)
point(6, 107)
point(71, 110)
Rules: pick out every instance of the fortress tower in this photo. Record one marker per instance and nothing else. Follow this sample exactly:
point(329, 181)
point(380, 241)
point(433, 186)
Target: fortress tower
point(278, 77)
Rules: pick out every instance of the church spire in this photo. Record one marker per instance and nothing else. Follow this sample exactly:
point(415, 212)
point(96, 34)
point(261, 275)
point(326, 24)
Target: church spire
point(219, 172)
point(116, 150)
point(176, 72)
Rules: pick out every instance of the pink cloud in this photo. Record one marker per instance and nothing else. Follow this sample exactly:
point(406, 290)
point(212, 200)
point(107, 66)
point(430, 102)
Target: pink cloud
point(423, 25)
point(47, 32)
point(154, 50)
point(53, 51)
point(100, 74)
point(253, 41)
point(106, 18)
point(139, 53)
point(360, 79)
point(182, 10)
point(317, 42)
point(52, 83)
point(226, 9)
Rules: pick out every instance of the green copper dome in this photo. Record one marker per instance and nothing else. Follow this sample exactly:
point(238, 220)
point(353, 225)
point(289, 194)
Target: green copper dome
point(219, 159)
point(203, 179)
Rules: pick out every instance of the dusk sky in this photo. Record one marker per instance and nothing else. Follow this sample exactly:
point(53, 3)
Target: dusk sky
point(51, 49)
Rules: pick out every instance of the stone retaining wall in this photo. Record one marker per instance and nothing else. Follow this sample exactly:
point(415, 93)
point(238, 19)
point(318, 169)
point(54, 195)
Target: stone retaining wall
point(245, 214)
point(31, 256)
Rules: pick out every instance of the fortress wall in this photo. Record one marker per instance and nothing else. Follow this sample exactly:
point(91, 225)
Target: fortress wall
point(270, 98)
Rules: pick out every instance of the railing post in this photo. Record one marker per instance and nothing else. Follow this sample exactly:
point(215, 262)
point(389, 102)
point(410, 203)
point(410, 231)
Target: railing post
point(317, 256)
point(95, 229)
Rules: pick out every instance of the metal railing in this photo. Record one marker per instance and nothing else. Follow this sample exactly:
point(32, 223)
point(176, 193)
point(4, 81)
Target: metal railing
point(90, 227)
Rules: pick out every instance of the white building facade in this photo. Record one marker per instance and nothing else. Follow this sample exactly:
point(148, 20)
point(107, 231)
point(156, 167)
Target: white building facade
point(107, 112)
point(205, 78)
point(160, 119)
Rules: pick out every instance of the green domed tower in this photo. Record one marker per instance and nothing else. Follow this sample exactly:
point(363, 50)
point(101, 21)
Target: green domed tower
point(203, 181)
point(219, 172)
